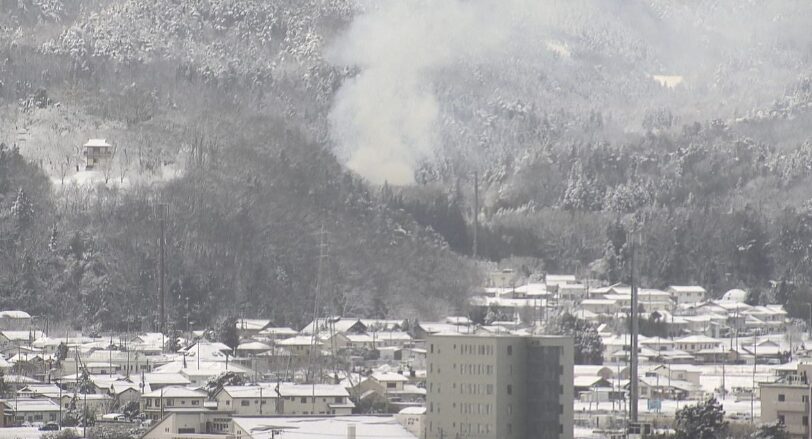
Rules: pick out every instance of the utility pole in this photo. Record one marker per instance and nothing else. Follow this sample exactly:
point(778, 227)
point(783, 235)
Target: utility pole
point(162, 296)
point(476, 214)
point(633, 384)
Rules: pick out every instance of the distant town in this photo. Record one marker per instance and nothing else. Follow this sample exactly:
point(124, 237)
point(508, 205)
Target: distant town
point(502, 371)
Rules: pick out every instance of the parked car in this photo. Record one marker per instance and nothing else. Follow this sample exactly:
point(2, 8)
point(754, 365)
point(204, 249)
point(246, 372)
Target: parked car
point(51, 426)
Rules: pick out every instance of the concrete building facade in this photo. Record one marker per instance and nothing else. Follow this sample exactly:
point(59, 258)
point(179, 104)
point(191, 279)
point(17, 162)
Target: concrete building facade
point(499, 387)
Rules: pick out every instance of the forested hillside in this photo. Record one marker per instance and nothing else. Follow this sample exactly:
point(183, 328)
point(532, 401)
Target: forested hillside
point(260, 123)
point(258, 201)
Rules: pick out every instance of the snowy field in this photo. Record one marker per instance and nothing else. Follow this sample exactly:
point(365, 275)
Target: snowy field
point(20, 433)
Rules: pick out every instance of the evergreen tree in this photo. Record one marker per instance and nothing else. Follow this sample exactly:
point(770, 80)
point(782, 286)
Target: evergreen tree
point(771, 431)
point(588, 343)
point(22, 209)
point(53, 240)
point(704, 420)
point(227, 333)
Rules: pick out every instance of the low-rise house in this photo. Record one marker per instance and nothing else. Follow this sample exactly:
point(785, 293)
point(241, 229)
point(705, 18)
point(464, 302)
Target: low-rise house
point(157, 381)
point(248, 400)
point(14, 339)
point(681, 294)
point(314, 399)
point(301, 346)
point(333, 325)
point(248, 328)
point(94, 404)
point(192, 424)
point(692, 344)
point(40, 390)
point(600, 306)
point(31, 410)
point(125, 392)
point(154, 404)
point(277, 333)
point(253, 348)
point(15, 320)
point(98, 154)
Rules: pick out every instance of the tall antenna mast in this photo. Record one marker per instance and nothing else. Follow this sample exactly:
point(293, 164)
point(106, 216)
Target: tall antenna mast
point(476, 213)
point(162, 294)
point(316, 296)
point(633, 376)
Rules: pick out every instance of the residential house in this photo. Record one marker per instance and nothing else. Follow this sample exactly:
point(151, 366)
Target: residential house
point(15, 320)
point(254, 400)
point(97, 404)
point(301, 346)
point(154, 404)
point(314, 399)
point(193, 424)
point(98, 154)
point(249, 328)
point(681, 294)
point(20, 410)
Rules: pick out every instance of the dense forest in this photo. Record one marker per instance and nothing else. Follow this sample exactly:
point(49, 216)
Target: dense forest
point(301, 146)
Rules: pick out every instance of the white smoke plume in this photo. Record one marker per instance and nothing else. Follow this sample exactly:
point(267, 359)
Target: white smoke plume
point(385, 119)
point(393, 113)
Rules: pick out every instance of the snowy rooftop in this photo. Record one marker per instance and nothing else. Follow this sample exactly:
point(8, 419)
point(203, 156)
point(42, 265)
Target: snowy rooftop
point(310, 427)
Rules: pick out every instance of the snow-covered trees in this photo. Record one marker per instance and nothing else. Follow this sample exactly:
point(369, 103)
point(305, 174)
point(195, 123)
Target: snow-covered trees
point(704, 420)
point(588, 344)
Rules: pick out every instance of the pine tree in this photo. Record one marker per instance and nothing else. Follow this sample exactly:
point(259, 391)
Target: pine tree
point(22, 209)
point(704, 420)
point(53, 241)
point(771, 431)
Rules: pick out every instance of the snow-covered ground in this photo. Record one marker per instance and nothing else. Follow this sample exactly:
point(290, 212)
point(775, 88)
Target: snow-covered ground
point(21, 433)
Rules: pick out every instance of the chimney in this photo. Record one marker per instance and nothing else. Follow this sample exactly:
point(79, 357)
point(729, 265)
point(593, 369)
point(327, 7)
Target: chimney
point(351, 431)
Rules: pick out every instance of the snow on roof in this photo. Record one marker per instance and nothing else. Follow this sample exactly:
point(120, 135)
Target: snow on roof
point(335, 324)
point(175, 392)
point(252, 324)
point(292, 389)
point(32, 405)
point(586, 381)
point(165, 378)
point(388, 377)
point(697, 339)
point(687, 289)
point(735, 295)
point(97, 143)
point(301, 340)
point(413, 411)
point(310, 427)
point(254, 346)
point(279, 331)
point(14, 314)
point(266, 390)
point(597, 302)
point(22, 335)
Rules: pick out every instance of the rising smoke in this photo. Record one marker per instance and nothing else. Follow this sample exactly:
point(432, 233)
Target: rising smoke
point(392, 114)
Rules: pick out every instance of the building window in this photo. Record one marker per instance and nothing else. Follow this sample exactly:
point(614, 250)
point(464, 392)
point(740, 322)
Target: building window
point(781, 419)
point(510, 389)
point(245, 403)
point(781, 397)
point(805, 421)
point(304, 399)
point(510, 350)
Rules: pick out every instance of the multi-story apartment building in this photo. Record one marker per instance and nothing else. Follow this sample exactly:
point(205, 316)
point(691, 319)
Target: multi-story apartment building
point(786, 400)
point(499, 387)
